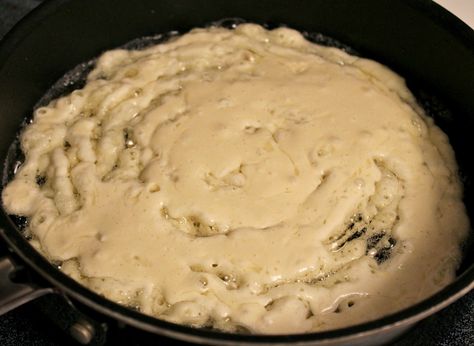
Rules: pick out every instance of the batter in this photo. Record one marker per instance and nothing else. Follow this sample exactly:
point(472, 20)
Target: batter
point(246, 180)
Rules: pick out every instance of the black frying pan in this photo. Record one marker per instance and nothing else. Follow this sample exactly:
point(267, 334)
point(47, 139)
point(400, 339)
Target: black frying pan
point(416, 38)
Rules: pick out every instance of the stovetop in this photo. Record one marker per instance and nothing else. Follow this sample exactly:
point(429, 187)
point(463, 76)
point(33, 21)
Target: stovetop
point(28, 326)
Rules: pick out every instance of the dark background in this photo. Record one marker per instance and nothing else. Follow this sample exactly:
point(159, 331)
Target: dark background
point(28, 326)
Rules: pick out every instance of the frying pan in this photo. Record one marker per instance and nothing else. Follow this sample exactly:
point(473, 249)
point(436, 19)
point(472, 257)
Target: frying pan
point(416, 38)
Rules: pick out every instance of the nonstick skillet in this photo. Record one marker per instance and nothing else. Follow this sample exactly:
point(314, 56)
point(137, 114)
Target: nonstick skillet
point(418, 39)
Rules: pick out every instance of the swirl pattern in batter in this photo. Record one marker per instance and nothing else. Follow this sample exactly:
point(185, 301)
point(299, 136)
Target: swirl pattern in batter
point(246, 180)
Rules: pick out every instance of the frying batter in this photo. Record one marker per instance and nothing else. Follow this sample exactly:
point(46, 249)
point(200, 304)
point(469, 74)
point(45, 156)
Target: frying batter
point(245, 179)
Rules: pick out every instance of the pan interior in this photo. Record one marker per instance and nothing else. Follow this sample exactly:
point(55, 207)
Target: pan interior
point(432, 104)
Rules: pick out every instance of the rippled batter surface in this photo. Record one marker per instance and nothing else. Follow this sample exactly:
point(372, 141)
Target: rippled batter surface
point(244, 179)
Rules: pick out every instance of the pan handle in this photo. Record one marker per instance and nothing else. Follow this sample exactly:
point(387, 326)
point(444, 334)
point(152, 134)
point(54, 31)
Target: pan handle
point(16, 290)
point(14, 293)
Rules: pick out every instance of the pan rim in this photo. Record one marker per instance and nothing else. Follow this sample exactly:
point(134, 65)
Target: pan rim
point(463, 284)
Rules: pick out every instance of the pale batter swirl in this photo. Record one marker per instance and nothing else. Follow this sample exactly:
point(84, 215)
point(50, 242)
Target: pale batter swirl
point(244, 179)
